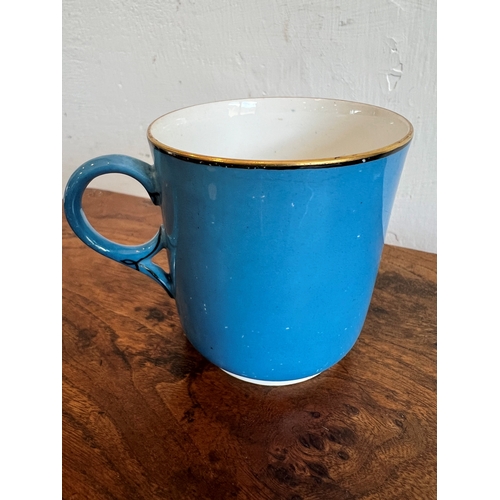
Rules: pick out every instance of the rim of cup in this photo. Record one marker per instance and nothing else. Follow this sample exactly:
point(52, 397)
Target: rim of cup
point(168, 132)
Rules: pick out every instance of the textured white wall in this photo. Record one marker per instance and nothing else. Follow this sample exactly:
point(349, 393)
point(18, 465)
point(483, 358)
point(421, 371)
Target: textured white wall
point(126, 62)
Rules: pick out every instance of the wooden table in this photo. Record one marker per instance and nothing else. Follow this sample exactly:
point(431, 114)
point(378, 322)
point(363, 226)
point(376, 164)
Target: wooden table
point(147, 417)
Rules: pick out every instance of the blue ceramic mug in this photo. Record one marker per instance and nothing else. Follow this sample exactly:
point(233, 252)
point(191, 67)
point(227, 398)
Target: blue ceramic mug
point(274, 217)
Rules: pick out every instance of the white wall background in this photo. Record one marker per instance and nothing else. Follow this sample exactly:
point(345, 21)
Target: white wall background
point(126, 62)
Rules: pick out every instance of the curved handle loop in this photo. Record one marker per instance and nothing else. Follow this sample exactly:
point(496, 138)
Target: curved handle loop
point(134, 256)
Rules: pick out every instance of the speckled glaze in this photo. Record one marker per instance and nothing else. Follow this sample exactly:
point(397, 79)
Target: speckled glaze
point(272, 267)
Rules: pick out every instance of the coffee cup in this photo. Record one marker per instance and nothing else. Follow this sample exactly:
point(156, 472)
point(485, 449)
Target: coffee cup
point(274, 216)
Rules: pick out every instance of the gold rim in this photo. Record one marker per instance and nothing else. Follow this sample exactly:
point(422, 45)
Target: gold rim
point(338, 160)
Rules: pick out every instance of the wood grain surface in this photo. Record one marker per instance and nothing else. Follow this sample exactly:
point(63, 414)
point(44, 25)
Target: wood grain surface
point(147, 417)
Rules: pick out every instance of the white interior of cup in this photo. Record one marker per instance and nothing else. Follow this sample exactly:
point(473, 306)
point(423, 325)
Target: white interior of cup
point(280, 129)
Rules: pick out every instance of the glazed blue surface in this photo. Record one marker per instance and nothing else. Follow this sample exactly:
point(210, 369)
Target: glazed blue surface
point(272, 269)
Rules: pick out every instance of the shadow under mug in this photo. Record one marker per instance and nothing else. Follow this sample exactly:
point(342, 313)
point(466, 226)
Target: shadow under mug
point(274, 217)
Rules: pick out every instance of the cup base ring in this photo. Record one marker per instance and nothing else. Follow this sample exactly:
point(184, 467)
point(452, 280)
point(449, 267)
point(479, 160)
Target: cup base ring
point(271, 382)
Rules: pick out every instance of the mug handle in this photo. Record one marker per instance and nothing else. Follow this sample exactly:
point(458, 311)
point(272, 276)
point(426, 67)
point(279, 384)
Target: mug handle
point(134, 256)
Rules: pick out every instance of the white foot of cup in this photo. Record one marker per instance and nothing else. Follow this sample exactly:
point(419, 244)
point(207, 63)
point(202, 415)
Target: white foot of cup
point(271, 382)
